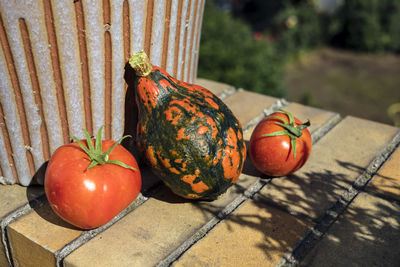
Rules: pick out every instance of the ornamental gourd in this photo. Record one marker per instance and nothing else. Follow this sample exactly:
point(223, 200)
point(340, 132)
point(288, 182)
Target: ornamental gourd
point(186, 134)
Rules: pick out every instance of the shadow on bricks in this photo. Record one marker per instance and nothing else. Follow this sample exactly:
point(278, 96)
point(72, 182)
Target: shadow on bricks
point(303, 196)
point(41, 205)
point(367, 233)
point(44, 210)
point(166, 195)
point(307, 194)
point(249, 169)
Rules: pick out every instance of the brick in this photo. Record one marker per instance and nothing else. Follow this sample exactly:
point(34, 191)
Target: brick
point(155, 229)
point(256, 234)
point(38, 230)
point(387, 181)
point(15, 196)
point(367, 234)
point(253, 103)
point(11, 198)
point(217, 88)
point(36, 237)
point(152, 231)
point(335, 162)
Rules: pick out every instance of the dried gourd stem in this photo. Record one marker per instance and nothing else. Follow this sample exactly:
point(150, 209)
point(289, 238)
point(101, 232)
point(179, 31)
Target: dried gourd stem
point(140, 62)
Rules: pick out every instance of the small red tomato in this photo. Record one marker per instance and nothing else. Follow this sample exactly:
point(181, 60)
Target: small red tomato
point(280, 144)
point(88, 185)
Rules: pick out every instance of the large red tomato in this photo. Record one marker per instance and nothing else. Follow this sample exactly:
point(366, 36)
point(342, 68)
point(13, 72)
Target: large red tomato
point(88, 185)
point(280, 144)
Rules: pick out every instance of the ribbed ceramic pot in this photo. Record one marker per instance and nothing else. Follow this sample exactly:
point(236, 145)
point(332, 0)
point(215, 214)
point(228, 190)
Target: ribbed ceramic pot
point(62, 68)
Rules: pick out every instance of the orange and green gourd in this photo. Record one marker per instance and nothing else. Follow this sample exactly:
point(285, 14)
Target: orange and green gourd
point(187, 135)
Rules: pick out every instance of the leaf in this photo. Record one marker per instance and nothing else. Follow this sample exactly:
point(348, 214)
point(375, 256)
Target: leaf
point(283, 132)
point(115, 144)
point(92, 164)
point(88, 139)
point(293, 144)
point(292, 129)
point(81, 145)
point(98, 140)
point(120, 163)
point(277, 117)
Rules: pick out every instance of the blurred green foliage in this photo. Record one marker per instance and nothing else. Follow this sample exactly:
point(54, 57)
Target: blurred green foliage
point(297, 27)
point(231, 52)
point(228, 53)
point(368, 25)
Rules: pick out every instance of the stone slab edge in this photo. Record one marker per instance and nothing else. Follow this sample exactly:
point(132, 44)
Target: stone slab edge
point(88, 235)
point(280, 103)
point(13, 216)
point(227, 92)
point(202, 232)
point(313, 236)
point(251, 191)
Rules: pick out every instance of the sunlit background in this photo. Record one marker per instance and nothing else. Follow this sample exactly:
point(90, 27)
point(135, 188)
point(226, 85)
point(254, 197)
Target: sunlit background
point(339, 55)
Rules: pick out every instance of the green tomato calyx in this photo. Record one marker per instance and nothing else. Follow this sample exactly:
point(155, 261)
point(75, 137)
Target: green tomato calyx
point(290, 129)
point(97, 157)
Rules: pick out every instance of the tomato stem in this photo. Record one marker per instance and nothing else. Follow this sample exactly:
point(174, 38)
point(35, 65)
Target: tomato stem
point(290, 129)
point(97, 157)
